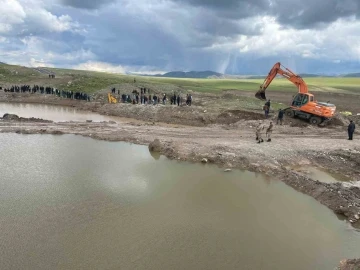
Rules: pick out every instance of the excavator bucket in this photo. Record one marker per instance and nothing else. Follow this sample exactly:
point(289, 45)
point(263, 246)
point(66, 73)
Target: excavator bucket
point(260, 94)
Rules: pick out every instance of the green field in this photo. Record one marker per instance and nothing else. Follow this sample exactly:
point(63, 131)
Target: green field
point(88, 81)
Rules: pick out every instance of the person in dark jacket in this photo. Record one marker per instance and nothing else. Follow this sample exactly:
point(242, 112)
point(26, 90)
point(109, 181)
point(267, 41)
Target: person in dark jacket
point(351, 129)
point(267, 108)
point(280, 117)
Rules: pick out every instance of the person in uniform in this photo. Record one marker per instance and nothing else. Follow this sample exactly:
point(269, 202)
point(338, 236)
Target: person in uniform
point(269, 131)
point(259, 129)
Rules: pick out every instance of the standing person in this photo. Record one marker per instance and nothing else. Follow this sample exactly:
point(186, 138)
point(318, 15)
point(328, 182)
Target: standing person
point(280, 117)
point(269, 131)
point(267, 108)
point(351, 129)
point(174, 99)
point(259, 129)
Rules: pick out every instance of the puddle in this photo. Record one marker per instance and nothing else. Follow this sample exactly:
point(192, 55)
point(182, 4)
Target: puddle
point(322, 175)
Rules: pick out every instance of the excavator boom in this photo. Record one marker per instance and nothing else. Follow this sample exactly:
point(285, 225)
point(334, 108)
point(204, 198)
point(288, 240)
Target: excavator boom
point(278, 69)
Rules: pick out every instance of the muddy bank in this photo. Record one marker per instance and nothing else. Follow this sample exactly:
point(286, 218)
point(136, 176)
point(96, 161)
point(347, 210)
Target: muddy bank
point(14, 118)
point(197, 115)
point(182, 115)
point(349, 265)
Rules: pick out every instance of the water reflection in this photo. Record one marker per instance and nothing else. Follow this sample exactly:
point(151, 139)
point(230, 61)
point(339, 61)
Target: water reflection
point(68, 202)
point(155, 155)
point(52, 112)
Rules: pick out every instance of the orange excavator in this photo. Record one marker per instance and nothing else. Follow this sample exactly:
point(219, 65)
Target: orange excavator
point(304, 104)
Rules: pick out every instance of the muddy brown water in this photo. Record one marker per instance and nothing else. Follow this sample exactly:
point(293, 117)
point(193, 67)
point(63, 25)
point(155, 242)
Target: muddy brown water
point(52, 112)
point(68, 202)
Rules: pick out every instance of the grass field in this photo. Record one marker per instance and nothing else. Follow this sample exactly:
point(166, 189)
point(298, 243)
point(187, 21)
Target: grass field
point(90, 82)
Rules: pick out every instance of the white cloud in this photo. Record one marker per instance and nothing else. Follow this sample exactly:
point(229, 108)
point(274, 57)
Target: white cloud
point(44, 20)
point(100, 66)
point(340, 40)
point(39, 63)
point(109, 68)
point(28, 16)
point(12, 12)
point(77, 56)
point(5, 28)
point(145, 70)
point(34, 53)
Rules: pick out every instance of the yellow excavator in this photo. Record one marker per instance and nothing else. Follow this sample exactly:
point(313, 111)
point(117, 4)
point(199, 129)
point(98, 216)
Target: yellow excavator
point(112, 99)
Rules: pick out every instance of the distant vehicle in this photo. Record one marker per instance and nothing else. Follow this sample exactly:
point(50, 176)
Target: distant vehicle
point(304, 104)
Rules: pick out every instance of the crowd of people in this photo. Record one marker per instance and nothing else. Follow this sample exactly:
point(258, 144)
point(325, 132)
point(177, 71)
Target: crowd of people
point(144, 96)
point(48, 91)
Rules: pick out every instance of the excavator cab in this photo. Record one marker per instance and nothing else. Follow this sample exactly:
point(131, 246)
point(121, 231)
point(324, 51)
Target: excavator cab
point(302, 99)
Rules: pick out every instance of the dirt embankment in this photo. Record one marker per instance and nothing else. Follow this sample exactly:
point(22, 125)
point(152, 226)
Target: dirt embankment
point(204, 112)
point(349, 265)
point(15, 118)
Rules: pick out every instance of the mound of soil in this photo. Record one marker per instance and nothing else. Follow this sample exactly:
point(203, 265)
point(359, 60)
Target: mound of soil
point(155, 146)
point(339, 120)
point(349, 265)
point(16, 118)
point(11, 117)
point(233, 116)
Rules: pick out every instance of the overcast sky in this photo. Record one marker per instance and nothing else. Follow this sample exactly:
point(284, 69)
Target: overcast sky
point(227, 36)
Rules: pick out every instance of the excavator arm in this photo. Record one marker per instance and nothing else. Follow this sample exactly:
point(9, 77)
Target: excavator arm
point(285, 72)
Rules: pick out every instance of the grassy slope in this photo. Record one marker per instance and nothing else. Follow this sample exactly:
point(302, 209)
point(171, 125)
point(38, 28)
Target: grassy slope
point(88, 81)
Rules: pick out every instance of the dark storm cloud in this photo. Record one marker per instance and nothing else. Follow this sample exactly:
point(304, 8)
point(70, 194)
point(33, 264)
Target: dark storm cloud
point(181, 34)
point(131, 40)
point(290, 13)
point(313, 13)
point(236, 9)
point(87, 4)
point(210, 23)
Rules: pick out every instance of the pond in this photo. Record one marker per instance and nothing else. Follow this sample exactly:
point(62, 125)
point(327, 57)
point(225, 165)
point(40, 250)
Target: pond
point(52, 112)
point(68, 202)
